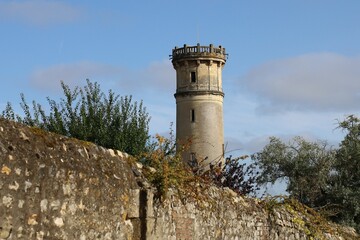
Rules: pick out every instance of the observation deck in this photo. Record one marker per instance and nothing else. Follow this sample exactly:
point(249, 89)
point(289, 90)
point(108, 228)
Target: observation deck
point(191, 52)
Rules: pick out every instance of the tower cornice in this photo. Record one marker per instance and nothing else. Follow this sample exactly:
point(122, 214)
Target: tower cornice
point(201, 92)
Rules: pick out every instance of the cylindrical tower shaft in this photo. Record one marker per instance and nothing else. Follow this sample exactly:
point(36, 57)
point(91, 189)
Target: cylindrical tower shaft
point(199, 103)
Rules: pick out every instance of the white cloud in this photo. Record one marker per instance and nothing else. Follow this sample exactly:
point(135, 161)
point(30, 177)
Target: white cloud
point(72, 74)
point(38, 12)
point(158, 76)
point(250, 132)
point(318, 82)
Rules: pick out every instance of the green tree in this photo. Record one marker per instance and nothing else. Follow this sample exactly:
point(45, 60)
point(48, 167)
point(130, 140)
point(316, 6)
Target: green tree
point(89, 114)
point(345, 191)
point(318, 176)
point(305, 166)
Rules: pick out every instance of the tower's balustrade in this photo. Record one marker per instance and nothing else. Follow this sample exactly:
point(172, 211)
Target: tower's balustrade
point(198, 51)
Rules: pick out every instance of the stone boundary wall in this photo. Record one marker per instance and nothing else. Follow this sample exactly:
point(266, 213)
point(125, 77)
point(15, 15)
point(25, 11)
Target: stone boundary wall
point(53, 187)
point(231, 217)
point(57, 188)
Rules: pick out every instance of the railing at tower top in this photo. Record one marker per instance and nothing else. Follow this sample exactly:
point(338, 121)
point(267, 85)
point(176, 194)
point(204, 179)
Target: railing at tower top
point(195, 51)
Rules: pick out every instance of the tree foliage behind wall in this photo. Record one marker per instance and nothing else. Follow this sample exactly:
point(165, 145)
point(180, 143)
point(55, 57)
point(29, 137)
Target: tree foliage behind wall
point(345, 184)
point(305, 166)
point(89, 114)
point(324, 178)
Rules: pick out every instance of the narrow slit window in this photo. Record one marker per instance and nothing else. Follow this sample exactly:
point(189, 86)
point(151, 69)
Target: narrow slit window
point(193, 77)
point(192, 115)
point(193, 161)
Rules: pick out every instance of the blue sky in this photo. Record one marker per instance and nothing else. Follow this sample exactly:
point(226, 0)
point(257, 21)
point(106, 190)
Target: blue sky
point(293, 66)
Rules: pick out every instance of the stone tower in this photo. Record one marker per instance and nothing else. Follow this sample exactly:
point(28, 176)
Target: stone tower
point(199, 102)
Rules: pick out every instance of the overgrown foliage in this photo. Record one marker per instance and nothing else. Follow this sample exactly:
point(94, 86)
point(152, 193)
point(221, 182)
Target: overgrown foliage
point(310, 221)
point(165, 169)
point(89, 114)
point(235, 174)
point(317, 175)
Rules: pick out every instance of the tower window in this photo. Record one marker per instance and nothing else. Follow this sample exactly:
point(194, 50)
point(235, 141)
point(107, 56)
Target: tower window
point(193, 77)
point(192, 115)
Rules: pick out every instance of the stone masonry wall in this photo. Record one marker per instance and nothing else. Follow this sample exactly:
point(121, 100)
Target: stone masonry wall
point(53, 187)
point(57, 188)
point(227, 216)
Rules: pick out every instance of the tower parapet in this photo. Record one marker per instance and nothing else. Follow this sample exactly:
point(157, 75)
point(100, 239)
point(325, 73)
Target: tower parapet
point(199, 52)
point(199, 102)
